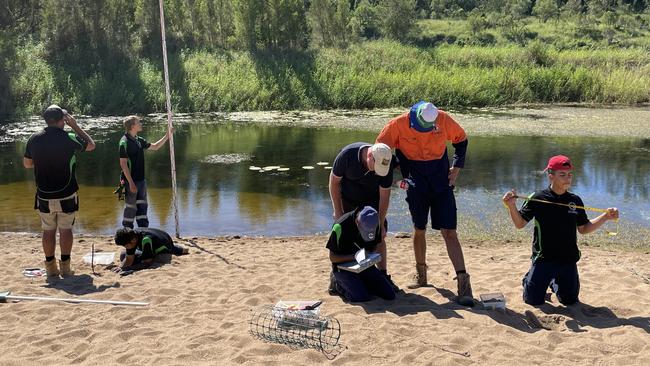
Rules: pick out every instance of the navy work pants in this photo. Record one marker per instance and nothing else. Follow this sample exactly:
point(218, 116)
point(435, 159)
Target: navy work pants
point(560, 276)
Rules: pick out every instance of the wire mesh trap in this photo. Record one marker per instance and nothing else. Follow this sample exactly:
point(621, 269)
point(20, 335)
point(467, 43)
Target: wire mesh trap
point(297, 328)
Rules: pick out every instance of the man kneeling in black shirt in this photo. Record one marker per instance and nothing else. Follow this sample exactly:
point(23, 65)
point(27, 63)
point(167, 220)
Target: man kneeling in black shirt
point(144, 245)
point(356, 230)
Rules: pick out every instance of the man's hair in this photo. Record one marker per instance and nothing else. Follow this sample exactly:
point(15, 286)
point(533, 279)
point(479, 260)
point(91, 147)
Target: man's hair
point(53, 114)
point(124, 236)
point(129, 122)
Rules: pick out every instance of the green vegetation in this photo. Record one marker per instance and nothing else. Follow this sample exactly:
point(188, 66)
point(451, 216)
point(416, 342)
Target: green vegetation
point(103, 57)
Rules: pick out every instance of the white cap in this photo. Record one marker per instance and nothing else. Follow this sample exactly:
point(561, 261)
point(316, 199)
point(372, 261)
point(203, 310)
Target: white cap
point(428, 112)
point(382, 155)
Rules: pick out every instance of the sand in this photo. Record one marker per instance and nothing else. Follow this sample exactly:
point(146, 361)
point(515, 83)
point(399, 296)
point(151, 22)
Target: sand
point(200, 307)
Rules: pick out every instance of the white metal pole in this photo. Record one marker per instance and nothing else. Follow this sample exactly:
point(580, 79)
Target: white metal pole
point(12, 297)
point(169, 117)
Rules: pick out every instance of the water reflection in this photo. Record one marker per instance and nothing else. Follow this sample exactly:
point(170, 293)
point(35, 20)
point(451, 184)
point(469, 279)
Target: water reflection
point(227, 198)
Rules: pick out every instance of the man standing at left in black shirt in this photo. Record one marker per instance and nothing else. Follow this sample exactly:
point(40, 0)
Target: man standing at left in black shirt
point(51, 153)
point(557, 213)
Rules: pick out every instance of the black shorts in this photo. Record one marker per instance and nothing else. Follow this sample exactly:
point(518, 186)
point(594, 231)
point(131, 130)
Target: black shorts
point(440, 206)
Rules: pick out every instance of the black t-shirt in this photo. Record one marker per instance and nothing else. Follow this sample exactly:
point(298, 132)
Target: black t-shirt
point(345, 238)
point(53, 152)
point(133, 149)
point(555, 236)
point(359, 186)
point(153, 242)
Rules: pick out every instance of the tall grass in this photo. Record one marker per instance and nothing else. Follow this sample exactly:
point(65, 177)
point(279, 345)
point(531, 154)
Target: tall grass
point(367, 75)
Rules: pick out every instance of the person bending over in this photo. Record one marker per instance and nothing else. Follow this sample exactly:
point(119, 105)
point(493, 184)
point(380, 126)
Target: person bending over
point(144, 245)
point(353, 231)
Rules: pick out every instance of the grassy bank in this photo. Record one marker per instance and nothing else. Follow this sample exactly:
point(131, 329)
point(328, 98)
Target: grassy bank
point(368, 75)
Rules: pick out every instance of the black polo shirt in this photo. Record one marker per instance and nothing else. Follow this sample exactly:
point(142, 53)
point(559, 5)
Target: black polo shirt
point(53, 152)
point(359, 186)
point(133, 149)
point(555, 236)
point(153, 242)
point(345, 238)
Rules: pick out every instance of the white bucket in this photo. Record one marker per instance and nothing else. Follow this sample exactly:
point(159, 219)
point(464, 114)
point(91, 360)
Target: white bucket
point(104, 258)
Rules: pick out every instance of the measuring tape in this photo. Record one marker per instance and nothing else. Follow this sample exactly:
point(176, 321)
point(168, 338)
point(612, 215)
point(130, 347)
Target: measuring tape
point(573, 207)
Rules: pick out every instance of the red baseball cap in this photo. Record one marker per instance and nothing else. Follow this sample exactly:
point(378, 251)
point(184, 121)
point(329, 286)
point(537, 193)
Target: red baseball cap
point(559, 162)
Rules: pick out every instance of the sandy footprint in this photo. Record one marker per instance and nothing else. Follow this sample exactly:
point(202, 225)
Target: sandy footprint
point(548, 322)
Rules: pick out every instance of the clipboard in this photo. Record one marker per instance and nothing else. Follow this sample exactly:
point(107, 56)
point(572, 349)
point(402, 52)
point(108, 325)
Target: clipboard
point(358, 267)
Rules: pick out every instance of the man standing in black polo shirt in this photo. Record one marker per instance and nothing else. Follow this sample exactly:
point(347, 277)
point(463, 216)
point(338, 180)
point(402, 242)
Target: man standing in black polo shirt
point(362, 175)
point(132, 149)
point(51, 153)
point(557, 213)
point(353, 231)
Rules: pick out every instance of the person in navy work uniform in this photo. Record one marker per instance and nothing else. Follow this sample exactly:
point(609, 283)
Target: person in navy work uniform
point(419, 137)
point(555, 249)
point(52, 155)
point(362, 175)
point(144, 245)
point(353, 231)
point(132, 149)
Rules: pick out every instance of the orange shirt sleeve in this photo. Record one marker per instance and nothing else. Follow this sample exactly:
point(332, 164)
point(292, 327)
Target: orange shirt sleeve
point(454, 132)
point(389, 135)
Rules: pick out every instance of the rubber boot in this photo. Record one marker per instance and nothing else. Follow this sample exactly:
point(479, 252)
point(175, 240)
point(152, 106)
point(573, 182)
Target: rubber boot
point(66, 268)
point(51, 269)
point(420, 277)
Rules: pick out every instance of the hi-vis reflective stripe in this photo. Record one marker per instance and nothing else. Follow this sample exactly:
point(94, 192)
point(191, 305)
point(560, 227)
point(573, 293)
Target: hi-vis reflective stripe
point(126, 219)
point(130, 205)
point(139, 202)
point(141, 217)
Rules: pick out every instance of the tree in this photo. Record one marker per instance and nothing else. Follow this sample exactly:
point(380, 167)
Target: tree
point(546, 9)
point(330, 22)
point(396, 18)
point(365, 21)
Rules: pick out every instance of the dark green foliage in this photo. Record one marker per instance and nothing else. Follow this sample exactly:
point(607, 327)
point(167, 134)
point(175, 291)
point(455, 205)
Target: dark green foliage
point(104, 56)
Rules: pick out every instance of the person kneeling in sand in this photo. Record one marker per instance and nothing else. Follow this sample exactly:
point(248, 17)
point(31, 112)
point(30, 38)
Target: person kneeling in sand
point(353, 231)
point(144, 245)
point(557, 213)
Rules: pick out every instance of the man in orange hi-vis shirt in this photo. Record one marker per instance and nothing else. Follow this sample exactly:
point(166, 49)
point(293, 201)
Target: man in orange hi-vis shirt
point(419, 137)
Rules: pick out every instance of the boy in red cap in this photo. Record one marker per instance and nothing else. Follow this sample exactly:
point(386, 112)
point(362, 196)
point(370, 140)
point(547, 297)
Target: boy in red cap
point(555, 249)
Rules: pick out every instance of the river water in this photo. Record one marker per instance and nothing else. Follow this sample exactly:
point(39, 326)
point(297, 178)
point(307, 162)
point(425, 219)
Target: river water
point(218, 194)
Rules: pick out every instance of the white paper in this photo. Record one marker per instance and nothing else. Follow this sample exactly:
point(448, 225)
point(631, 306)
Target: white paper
point(360, 255)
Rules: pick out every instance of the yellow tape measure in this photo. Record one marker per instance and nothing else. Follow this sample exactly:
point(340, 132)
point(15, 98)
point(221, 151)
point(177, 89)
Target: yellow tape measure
point(571, 206)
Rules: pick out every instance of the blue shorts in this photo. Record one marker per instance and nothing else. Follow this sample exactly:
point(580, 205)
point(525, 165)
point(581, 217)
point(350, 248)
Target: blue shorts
point(440, 206)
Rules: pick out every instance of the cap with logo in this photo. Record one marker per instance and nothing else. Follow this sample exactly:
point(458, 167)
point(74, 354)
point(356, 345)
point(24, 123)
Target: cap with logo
point(382, 155)
point(367, 222)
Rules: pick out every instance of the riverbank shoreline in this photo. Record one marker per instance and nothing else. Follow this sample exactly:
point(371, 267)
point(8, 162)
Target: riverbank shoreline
point(200, 306)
